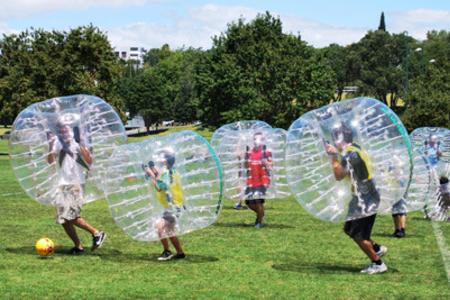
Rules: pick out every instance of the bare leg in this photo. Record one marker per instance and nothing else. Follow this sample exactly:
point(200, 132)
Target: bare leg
point(165, 244)
point(80, 222)
point(176, 243)
point(161, 227)
point(72, 233)
point(399, 222)
point(367, 247)
point(260, 212)
point(402, 221)
point(252, 207)
point(258, 208)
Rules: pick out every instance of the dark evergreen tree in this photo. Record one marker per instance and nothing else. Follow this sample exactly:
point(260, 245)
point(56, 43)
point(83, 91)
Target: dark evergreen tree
point(382, 25)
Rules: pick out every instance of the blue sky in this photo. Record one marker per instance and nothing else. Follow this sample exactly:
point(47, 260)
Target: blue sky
point(151, 23)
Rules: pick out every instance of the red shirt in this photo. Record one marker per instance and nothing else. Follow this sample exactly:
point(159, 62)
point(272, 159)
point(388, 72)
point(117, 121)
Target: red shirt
point(258, 174)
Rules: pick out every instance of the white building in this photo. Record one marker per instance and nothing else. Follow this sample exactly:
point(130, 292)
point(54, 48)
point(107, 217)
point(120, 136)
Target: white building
point(134, 53)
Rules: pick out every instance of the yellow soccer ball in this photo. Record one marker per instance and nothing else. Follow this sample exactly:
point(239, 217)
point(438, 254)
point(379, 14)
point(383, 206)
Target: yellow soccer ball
point(44, 247)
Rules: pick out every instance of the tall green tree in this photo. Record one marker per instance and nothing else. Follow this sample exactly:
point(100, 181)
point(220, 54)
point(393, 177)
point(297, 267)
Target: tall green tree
point(146, 96)
point(255, 71)
point(175, 73)
point(382, 25)
point(383, 65)
point(430, 89)
point(36, 65)
point(155, 55)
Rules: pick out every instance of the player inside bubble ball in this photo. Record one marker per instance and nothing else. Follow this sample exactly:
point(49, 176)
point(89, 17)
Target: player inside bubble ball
point(73, 159)
point(258, 162)
point(431, 150)
point(443, 205)
point(167, 183)
point(350, 160)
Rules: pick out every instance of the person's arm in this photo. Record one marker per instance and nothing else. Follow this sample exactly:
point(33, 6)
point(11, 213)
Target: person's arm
point(51, 156)
point(438, 151)
point(339, 171)
point(152, 174)
point(267, 159)
point(86, 154)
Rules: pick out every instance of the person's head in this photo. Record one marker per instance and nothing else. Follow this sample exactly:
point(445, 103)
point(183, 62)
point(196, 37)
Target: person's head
point(65, 132)
point(433, 140)
point(342, 135)
point(166, 158)
point(258, 139)
point(443, 180)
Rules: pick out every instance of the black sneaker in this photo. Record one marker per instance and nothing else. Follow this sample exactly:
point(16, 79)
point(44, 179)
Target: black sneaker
point(179, 256)
point(400, 233)
point(76, 251)
point(97, 240)
point(166, 255)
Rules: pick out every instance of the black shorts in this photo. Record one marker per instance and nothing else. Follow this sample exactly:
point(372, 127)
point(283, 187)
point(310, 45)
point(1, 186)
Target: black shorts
point(255, 192)
point(360, 229)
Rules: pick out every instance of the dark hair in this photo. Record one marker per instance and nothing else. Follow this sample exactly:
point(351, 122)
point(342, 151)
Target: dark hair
point(443, 180)
point(345, 131)
point(170, 158)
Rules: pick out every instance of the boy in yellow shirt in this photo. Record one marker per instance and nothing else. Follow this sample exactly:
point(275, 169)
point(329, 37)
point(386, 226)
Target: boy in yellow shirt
point(167, 183)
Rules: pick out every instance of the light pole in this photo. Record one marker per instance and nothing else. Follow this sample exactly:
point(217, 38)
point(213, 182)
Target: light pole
point(407, 62)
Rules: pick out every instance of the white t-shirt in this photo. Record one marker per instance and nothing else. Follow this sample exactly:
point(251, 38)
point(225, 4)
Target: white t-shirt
point(70, 172)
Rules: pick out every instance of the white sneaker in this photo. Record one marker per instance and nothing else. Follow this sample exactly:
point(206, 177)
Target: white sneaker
point(382, 251)
point(374, 268)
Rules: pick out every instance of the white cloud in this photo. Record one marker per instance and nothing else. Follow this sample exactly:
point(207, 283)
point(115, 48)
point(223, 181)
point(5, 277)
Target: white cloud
point(320, 34)
point(418, 22)
point(197, 28)
point(198, 25)
point(25, 8)
point(5, 29)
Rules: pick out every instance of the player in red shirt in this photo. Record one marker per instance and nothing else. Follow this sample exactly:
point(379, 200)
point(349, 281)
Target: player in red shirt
point(258, 162)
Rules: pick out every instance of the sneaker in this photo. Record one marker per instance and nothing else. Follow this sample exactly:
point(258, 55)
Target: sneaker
point(382, 251)
point(259, 225)
point(76, 251)
point(237, 206)
point(97, 240)
point(166, 255)
point(179, 256)
point(374, 268)
point(399, 234)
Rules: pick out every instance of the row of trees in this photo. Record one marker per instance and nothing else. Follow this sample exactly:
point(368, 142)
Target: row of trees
point(252, 71)
point(37, 65)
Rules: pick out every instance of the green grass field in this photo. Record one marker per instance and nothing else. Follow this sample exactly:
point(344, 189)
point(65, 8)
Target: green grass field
point(294, 257)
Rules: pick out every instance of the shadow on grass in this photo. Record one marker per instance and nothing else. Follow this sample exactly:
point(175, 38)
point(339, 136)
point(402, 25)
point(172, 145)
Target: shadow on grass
point(244, 208)
point(113, 255)
point(322, 268)
point(153, 258)
point(408, 235)
point(243, 225)
point(420, 219)
point(64, 251)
